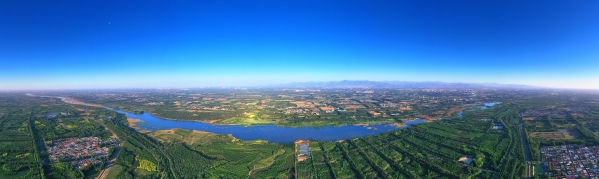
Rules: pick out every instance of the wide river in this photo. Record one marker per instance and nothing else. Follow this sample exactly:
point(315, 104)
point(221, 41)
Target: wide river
point(279, 134)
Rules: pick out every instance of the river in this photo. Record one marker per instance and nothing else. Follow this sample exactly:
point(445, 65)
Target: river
point(279, 134)
point(487, 105)
point(271, 133)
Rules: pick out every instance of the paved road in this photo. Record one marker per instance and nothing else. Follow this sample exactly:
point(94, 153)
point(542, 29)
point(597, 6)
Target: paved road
point(110, 162)
point(112, 159)
point(115, 154)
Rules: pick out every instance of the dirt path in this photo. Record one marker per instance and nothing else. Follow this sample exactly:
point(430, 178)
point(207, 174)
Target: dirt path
point(117, 150)
point(113, 157)
point(62, 123)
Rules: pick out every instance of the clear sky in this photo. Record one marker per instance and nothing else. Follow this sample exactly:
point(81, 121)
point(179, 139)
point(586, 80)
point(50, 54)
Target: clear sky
point(125, 44)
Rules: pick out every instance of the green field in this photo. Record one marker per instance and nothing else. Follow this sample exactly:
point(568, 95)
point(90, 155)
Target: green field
point(249, 119)
point(430, 150)
point(113, 171)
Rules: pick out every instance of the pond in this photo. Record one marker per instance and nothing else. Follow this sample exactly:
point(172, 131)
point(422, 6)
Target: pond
point(487, 105)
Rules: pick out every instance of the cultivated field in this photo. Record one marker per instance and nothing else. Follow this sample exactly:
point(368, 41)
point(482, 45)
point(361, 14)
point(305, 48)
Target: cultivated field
point(562, 134)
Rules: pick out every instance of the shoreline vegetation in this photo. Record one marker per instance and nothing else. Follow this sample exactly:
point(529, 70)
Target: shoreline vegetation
point(504, 141)
point(367, 152)
point(255, 120)
point(191, 133)
point(239, 121)
point(390, 121)
point(132, 121)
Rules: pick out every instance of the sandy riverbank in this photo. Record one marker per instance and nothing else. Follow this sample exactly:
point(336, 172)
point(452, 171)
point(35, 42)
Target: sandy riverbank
point(132, 121)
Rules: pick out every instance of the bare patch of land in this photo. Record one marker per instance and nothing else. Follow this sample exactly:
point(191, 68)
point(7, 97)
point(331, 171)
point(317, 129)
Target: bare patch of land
point(405, 109)
point(327, 108)
point(562, 134)
point(301, 103)
point(397, 124)
point(132, 121)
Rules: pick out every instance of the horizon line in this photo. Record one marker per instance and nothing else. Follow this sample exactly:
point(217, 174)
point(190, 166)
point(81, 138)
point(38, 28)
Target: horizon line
point(281, 85)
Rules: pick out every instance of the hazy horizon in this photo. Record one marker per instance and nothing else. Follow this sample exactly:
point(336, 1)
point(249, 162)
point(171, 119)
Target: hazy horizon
point(115, 44)
point(287, 85)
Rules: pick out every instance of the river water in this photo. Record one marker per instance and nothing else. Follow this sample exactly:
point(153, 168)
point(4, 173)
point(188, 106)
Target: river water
point(271, 133)
point(487, 105)
point(279, 134)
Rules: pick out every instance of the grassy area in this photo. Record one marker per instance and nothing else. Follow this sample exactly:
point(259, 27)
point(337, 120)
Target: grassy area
point(251, 119)
point(559, 135)
point(538, 169)
point(232, 157)
point(428, 150)
point(24, 129)
point(191, 137)
point(113, 171)
point(311, 123)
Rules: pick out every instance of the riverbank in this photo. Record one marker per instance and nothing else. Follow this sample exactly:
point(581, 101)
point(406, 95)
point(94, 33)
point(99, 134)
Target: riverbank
point(132, 122)
point(196, 137)
point(282, 134)
point(249, 122)
point(329, 131)
point(256, 121)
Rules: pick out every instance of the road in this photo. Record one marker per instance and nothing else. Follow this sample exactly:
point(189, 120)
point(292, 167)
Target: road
point(115, 154)
point(110, 162)
point(527, 155)
point(112, 158)
point(62, 123)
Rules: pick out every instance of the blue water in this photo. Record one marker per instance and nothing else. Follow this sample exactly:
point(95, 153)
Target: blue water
point(491, 104)
point(487, 105)
point(271, 133)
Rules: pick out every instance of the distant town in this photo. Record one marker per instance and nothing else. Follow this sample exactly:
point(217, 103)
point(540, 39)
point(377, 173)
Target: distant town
point(80, 152)
point(201, 133)
point(296, 107)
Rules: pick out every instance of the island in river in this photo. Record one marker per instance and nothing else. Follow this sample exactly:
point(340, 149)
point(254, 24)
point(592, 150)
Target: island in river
point(281, 134)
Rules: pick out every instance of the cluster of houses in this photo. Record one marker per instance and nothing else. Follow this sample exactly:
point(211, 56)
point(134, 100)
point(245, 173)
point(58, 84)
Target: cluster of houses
point(299, 110)
point(80, 152)
point(343, 103)
point(570, 161)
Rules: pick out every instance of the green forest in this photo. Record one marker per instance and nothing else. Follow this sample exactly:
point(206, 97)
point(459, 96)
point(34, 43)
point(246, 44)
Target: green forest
point(470, 146)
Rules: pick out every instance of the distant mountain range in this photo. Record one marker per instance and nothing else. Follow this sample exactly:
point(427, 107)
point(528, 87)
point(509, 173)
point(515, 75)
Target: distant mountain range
point(396, 84)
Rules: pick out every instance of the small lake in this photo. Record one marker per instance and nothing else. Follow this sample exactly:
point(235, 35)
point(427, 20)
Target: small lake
point(487, 105)
point(279, 134)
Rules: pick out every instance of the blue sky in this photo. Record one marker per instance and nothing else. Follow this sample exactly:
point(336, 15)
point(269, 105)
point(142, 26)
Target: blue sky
point(117, 44)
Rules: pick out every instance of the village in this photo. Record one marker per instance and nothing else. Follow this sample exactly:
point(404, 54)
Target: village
point(284, 105)
point(80, 152)
point(570, 161)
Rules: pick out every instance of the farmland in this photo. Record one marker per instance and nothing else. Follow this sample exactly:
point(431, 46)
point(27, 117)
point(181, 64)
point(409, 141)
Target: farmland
point(422, 151)
point(489, 142)
point(289, 107)
point(28, 124)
